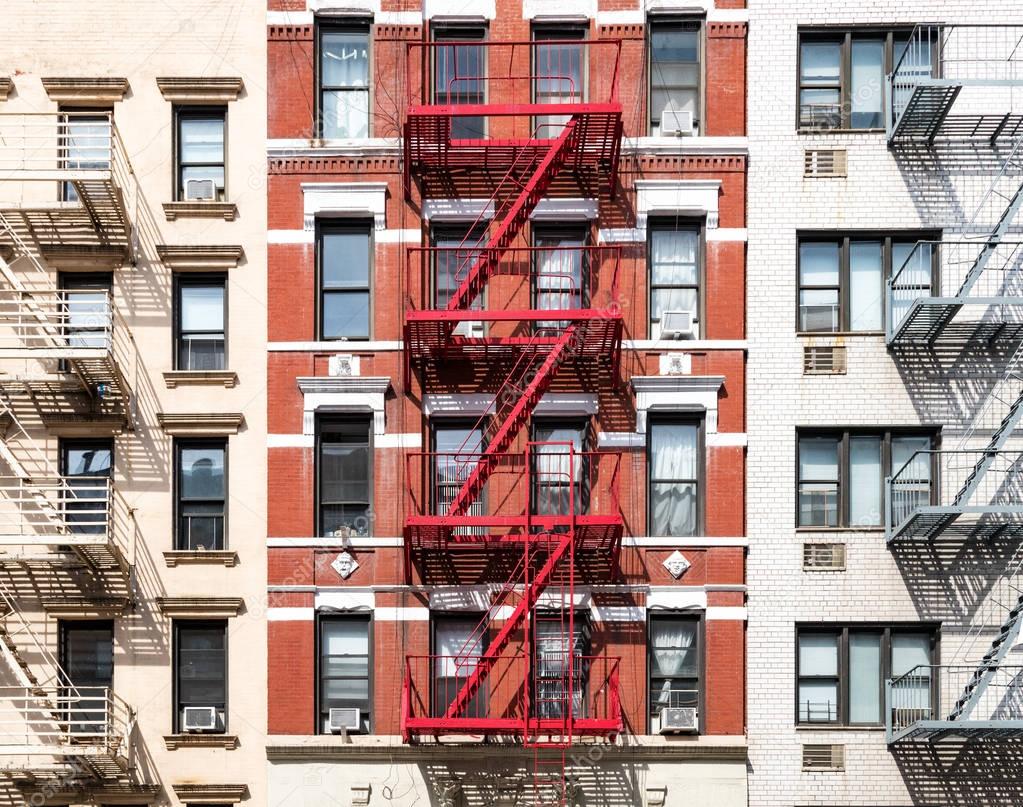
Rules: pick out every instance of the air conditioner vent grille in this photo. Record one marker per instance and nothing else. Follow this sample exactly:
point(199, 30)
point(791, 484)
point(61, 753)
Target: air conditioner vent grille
point(824, 360)
point(823, 163)
point(823, 757)
point(821, 556)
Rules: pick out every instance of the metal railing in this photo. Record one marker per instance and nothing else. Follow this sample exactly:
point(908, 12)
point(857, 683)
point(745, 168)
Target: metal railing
point(80, 510)
point(45, 719)
point(951, 693)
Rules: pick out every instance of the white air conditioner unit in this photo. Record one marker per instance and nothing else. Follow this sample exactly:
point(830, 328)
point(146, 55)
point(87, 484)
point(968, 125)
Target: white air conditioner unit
point(200, 190)
point(200, 718)
point(679, 720)
point(676, 123)
point(346, 718)
point(677, 325)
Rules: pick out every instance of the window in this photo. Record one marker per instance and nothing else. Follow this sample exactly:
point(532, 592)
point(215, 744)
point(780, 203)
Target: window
point(86, 144)
point(345, 474)
point(460, 76)
point(87, 665)
point(200, 669)
point(459, 641)
point(199, 325)
point(841, 671)
point(674, 75)
point(842, 473)
point(200, 153)
point(675, 664)
point(559, 69)
point(344, 668)
point(86, 312)
point(842, 279)
point(457, 248)
point(842, 76)
point(88, 466)
point(345, 257)
point(561, 675)
point(559, 272)
point(675, 258)
point(675, 451)
point(202, 494)
point(559, 484)
point(343, 77)
point(457, 444)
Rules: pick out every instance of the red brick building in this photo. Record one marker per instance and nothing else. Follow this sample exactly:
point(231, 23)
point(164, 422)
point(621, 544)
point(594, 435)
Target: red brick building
point(506, 402)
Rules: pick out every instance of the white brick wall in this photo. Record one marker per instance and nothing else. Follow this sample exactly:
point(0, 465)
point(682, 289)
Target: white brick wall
point(912, 584)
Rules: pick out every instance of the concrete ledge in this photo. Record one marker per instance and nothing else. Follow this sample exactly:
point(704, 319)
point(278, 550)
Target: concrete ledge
point(176, 741)
point(200, 210)
point(209, 557)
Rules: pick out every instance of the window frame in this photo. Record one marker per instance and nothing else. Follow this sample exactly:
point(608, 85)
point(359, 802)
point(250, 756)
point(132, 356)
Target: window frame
point(67, 116)
point(569, 230)
point(558, 31)
point(677, 21)
point(674, 224)
point(65, 444)
point(846, 33)
point(701, 661)
point(352, 25)
point(181, 443)
point(581, 621)
point(585, 427)
point(344, 225)
point(318, 706)
point(437, 617)
point(845, 239)
point(843, 433)
point(177, 626)
point(184, 112)
point(183, 280)
point(687, 417)
point(453, 30)
point(843, 630)
point(323, 423)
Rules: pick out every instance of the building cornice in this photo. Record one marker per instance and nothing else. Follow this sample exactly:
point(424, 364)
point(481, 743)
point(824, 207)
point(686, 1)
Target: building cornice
point(73, 90)
point(373, 385)
point(200, 89)
point(200, 257)
point(213, 423)
point(228, 211)
point(6, 85)
point(686, 146)
point(362, 147)
point(200, 607)
point(210, 794)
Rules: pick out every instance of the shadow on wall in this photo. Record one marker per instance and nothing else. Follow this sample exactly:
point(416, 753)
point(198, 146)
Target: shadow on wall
point(973, 774)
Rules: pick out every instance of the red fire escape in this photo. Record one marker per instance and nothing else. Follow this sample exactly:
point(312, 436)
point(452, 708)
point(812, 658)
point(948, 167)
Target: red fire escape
point(490, 314)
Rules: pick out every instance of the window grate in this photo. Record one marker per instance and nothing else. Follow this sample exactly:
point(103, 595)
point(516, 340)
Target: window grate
point(824, 360)
point(822, 163)
point(823, 757)
point(817, 556)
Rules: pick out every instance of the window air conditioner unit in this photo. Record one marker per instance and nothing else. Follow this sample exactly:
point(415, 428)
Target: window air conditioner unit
point(679, 720)
point(200, 190)
point(676, 123)
point(346, 718)
point(677, 325)
point(200, 718)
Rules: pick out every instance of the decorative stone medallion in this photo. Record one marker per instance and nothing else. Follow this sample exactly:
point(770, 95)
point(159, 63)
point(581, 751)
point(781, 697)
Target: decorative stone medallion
point(345, 565)
point(676, 564)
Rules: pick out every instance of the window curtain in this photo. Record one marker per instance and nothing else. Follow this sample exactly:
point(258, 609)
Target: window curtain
point(672, 642)
point(673, 262)
point(674, 456)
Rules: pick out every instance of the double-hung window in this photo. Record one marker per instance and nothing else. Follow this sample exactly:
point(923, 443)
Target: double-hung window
point(345, 476)
point(675, 56)
point(674, 665)
point(459, 641)
point(86, 144)
point(344, 268)
point(842, 278)
point(88, 467)
point(842, 473)
point(562, 671)
point(200, 329)
point(456, 250)
point(200, 156)
point(675, 468)
point(559, 272)
point(202, 494)
point(675, 257)
point(344, 668)
point(842, 75)
point(460, 75)
point(841, 671)
point(559, 70)
point(343, 77)
point(87, 669)
point(200, 670)
point(560, 465)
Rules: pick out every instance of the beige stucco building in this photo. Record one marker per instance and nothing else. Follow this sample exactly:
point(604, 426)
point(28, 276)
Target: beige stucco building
point(132, 394)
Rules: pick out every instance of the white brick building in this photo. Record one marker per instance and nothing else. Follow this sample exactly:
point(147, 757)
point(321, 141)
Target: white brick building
point(885, 607)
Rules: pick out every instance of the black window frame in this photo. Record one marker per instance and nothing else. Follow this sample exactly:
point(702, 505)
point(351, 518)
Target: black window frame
point(198, 112)
point(675, 224)
point(358, 226)
point(843, 630)
point(478, 706)
point(180, 444)
point(324, 424)
point(701, 651)
point(322, 707)
point(584, 424)
point(843, 434)
point(690, 418)
point(462, 31)
point(177, 704)
point(354, 25)
point(66, 444)
point(843, 36)
point(584, 624)
point(684, 23)
point(844, 239)
point(194, 280)
point(68, 116)
point(570, 230)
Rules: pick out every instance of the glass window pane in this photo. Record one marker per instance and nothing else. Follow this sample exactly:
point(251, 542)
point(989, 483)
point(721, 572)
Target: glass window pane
point(864, 481)
point(202, 473)
point(88, 461)
point(673, 508)
point(909, 650)
point(346, 689)
point(864, 677)
point(202, 308)
point(345, 113)
point(202, 140)
point(673, 257)
point(866, 88)
point(346, 313)
point(344, 259)
point(673, 450)
point(818, 459)
point(344, 59)
point(866, 286)
point(674, 650)
point(340, 637)
point(818, 310)
point(818, 263)
point(818, 701)
point(818, 654)
point(820, 63)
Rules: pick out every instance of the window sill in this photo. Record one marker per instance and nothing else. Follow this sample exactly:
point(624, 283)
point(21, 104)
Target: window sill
point(833, 727)
point(208, 557)
point(806, 130)
point(840, 529)
point(200, 210)
point(808, 334)
point(176, 741)
point(200, 378)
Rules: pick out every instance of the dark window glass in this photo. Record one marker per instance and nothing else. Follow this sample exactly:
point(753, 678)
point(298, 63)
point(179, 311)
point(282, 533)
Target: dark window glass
point(200, 157)
point(674, 76)
point(675, 672)
point(87, 664)
point(457, 251)
point(674, 260)
point(560, 479)
point(458, 643)
point(559, 70)
point(344, 668)
point(457, 445)
point(673, 477)
point(562, 671)
point(200, 669)
point(201, 323)
point(202, 494)
point(88, 467)
point(460, 72)
point(344, 271)
point(344, 81)
point(344, 477)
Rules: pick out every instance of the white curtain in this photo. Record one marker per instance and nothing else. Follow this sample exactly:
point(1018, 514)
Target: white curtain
point(672, 641)
point(673, 489)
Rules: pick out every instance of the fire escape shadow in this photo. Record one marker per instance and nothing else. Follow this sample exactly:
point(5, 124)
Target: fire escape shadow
point(964, 774)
